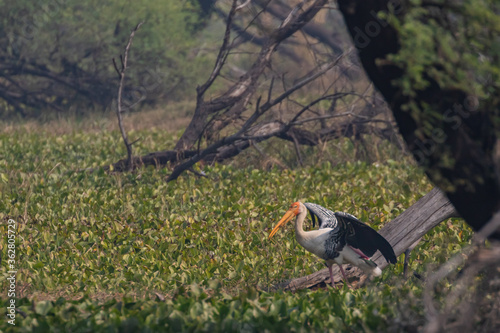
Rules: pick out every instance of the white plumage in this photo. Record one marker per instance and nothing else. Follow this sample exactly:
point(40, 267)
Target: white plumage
point(341, 239)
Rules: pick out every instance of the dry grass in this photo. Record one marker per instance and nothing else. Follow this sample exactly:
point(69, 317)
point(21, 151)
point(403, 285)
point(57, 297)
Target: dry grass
point(171, 118)
point(26, 290)
point(100, 297)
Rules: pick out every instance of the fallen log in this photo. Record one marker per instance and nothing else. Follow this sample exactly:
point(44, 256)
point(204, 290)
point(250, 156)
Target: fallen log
point(402, 232)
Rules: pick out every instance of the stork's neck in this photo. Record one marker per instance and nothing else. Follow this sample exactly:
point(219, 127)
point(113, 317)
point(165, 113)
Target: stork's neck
point(314, 240)
point(300, 234)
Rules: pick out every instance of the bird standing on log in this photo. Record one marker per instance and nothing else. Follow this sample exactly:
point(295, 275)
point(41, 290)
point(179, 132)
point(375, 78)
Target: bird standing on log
point(341, 238)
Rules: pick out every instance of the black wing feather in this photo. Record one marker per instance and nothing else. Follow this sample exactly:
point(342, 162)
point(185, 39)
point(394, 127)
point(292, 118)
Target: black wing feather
point(326, 218)
point(313, 218)
point(363, 237)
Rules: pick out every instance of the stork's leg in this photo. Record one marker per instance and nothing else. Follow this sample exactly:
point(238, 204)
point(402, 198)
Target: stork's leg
point(343, 275)
point(331, 275)
point(405, 264)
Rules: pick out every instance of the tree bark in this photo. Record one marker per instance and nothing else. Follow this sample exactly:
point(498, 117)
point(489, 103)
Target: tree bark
point(401, 233)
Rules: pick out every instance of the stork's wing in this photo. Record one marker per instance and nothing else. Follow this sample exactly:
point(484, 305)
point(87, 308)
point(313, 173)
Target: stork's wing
point(363, 237)
point(326, 218)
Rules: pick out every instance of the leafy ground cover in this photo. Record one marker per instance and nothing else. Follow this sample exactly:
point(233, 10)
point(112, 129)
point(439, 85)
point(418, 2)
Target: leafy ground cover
point(129, 252)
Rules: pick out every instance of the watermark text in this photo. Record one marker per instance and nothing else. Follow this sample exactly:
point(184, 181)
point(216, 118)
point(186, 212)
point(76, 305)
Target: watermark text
point(11, 264)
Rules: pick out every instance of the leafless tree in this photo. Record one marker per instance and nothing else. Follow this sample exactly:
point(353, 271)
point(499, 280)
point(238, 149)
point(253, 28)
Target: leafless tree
point(119, 107)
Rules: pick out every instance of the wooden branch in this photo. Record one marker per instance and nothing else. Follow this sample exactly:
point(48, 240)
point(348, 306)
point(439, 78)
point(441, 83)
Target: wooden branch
point(119, 109)
point(237, 97)
point(232, 146)
point(476, 258)
point(318, 31)
point(401, 232)
point(243, 36)
point(243, 5)
point(215, 146)
point(271, 103)
point(223, 53)
point(324, 69)
point(265, 130)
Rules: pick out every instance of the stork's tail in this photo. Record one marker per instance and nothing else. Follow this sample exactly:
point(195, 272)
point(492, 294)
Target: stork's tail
point(369, 267)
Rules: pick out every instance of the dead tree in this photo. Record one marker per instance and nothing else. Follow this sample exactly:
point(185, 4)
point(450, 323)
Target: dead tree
point(261, 104)
point(119, 107)
point(233, 102)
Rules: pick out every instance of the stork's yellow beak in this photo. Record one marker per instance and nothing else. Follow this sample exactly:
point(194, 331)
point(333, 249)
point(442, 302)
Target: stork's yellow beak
point(289, 215)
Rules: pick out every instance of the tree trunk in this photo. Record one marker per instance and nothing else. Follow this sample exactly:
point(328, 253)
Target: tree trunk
point(467, 139)
point(401, 232)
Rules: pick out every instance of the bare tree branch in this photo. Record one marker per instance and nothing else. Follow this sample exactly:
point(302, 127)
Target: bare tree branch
point(223, 52)
point(435, 319)
point(297, 150)
point(119, 109)
point(325, 68)
point(235, 99)
point(243, 5)
point(280, 10)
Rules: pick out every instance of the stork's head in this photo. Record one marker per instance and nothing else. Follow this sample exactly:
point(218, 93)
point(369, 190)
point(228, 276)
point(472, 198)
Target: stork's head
point(295, 209)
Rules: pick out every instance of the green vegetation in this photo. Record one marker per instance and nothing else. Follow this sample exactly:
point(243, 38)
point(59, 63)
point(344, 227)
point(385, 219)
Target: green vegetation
point(95, 248)
point(115, 252)
point(450, 52)
point(457, 49)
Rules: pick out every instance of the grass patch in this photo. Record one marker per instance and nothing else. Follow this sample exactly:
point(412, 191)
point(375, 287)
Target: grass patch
point(94, 250)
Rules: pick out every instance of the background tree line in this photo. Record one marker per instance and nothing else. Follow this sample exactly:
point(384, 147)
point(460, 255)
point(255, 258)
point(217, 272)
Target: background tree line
point(56, 54)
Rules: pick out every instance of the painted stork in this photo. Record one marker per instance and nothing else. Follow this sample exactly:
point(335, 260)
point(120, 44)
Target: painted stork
point(341, 238)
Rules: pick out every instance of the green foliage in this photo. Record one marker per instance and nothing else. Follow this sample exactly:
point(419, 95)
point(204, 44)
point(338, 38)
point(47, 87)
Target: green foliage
point(457, 47)
point(200, 242)
point(448, 89)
